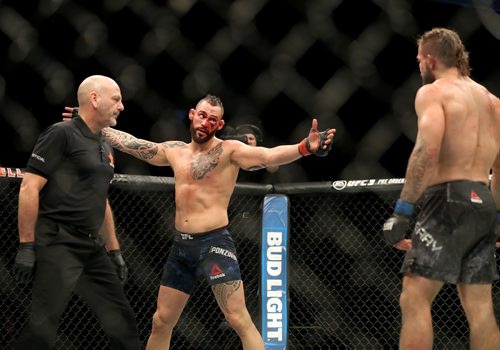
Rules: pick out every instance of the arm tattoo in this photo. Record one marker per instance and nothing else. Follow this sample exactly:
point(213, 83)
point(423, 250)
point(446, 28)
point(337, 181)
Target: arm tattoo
point(127, 143)
point(203, 164)
point(223, 291)
point(419, 164)
point(175, 144)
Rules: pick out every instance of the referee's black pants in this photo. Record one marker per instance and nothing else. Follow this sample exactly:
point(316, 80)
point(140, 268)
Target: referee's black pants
point(68, 261)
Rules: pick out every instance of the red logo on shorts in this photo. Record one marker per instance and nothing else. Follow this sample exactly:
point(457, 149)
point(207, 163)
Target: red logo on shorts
point(111, 160)
point(216, 272)
point(474, 197)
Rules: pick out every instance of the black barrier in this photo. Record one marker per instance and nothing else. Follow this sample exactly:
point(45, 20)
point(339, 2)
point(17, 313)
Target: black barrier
point(344, 282)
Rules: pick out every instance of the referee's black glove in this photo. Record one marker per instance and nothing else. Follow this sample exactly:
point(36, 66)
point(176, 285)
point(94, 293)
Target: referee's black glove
point(121, 269)
point(24, 263)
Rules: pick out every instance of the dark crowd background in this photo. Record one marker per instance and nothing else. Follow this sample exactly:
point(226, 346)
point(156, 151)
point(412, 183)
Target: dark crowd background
point(275, 63)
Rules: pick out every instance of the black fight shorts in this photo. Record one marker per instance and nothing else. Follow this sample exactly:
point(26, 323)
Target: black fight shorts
point(455, 234)
point(211, 255)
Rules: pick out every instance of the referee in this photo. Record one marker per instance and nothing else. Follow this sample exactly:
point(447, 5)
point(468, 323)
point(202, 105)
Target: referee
point(66, 230)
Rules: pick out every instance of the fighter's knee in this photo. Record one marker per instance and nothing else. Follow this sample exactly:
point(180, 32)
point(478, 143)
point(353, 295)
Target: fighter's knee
point(238, 321)
point(405, 300)
point(162, 320)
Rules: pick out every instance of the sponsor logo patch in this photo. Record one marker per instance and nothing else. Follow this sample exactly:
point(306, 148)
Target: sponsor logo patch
point(474, 197)
point(111, 160)
point(36, 156)
point(216, 272)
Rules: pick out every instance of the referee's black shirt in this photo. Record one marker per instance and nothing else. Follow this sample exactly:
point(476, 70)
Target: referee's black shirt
point(78, 166)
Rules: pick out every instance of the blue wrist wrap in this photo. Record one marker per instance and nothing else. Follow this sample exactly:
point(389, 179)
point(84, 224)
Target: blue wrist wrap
point(405, 208)
point(498, 216)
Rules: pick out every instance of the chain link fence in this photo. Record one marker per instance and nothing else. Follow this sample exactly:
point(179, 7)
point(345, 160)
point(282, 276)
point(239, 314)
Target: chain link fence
point(329, 59)
point(344, 282)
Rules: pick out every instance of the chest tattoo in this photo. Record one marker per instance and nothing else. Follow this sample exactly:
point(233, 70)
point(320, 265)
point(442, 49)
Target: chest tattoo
point(204, 163)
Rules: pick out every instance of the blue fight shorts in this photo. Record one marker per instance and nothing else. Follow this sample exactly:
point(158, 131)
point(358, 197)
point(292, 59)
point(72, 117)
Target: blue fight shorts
point(455, 234)
point(211, 255)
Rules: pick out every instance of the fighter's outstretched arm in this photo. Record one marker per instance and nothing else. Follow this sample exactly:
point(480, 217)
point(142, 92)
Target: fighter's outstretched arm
point(317, 143)
point(148, 151)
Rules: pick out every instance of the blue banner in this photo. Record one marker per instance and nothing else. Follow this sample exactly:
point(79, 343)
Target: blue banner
point(274, 281)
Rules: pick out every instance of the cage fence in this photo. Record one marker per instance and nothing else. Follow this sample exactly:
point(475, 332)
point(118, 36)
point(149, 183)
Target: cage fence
point(344, 282)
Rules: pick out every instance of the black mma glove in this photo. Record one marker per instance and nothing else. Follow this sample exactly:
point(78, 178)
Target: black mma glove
point(305, 145)
point(396, 227)
point(24, 263)
point(121, 269)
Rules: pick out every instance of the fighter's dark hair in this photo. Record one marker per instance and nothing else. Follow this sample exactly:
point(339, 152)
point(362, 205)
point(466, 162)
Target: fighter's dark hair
point(447, 47)
point(213, 101)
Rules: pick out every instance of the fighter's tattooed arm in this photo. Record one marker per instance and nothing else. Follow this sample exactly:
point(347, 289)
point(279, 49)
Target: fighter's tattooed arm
point(424, 160)
point(418, 167)
point(141, 149)
point(223, 292)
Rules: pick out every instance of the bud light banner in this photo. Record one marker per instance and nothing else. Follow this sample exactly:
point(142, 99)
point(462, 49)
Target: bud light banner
point(274, 282)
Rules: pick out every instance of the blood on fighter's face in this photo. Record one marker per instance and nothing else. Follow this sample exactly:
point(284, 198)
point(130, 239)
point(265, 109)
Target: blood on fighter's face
point(203, 128)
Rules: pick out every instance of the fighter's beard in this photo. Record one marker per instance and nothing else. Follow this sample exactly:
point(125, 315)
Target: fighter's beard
point(428, 77)
point(200, 140)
